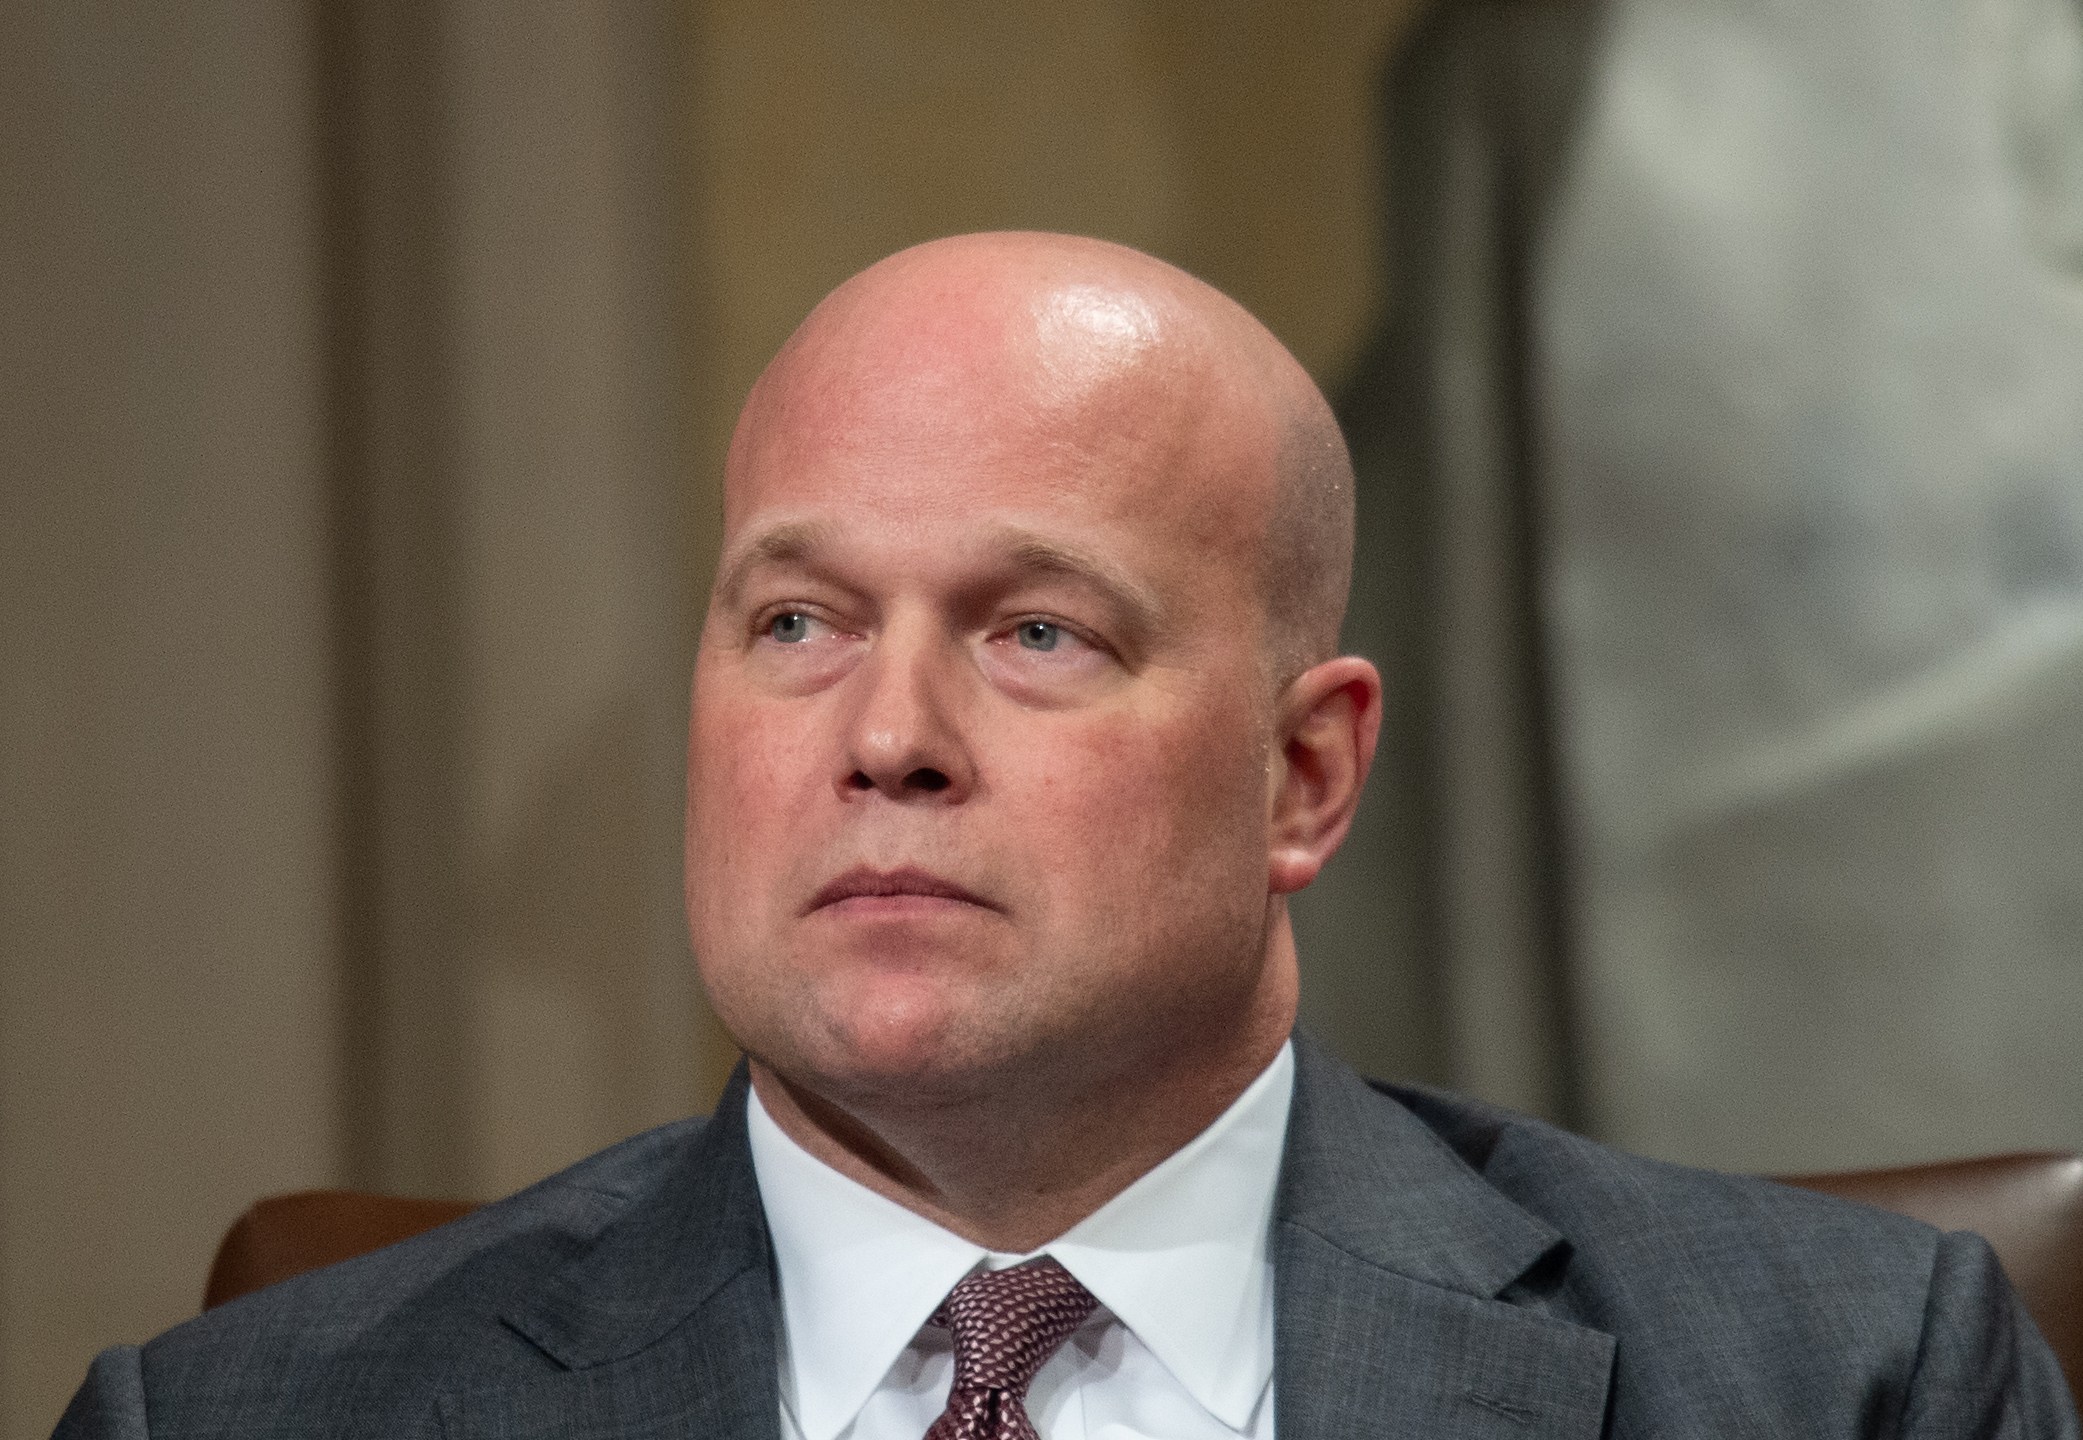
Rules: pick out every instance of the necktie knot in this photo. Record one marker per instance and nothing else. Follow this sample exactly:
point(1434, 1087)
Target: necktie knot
point(1006, 1324)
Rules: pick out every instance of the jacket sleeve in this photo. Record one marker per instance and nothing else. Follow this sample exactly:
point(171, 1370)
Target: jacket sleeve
point(110, 1403)
point(1983, 1369)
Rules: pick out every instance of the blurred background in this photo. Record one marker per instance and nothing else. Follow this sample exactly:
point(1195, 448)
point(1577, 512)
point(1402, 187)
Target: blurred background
point(1715, 372)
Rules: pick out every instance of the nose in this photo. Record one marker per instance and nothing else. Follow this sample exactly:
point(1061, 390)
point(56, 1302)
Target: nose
point(905, 739)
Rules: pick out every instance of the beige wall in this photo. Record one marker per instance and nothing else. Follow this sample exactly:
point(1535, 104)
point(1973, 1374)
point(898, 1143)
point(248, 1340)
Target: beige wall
point(167, 986)
point(202, 995)
point(188, 1017)
point(570, 511)
point(1235, 139)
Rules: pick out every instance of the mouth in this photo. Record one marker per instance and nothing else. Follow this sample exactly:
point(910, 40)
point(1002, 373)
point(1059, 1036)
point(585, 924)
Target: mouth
point(865, 888)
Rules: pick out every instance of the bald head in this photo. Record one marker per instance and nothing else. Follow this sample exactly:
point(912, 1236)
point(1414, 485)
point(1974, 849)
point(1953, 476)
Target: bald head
point(1092, 345)
point(1016, 719)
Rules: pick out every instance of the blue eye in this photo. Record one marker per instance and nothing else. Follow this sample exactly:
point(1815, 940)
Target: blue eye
point(1040, 635)
point(790, 628)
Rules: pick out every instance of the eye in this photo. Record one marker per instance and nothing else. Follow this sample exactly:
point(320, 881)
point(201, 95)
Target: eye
point(1039, 639)
point(790, 627)
point(1039, 635)
point(798, 628)
point(1040, 660)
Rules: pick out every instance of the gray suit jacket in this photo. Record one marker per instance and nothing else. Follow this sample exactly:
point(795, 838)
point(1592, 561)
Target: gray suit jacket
point(1443, 1270)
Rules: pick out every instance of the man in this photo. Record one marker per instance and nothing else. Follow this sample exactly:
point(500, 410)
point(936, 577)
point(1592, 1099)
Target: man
point(1017, 716)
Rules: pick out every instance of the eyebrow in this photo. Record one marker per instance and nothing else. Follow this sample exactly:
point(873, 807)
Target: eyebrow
point(793, 542)
point(798, 542)
point(1139, 608)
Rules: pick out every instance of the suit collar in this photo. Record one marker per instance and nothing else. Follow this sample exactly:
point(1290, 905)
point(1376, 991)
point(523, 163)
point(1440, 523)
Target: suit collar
point(1391, 1255)
point(666, 1324)
point(1181, 1257)
point(1367, 1176)
point(681, 1244)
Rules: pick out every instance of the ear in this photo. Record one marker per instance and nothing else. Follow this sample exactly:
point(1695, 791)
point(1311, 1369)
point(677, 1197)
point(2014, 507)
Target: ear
point(1329, 719)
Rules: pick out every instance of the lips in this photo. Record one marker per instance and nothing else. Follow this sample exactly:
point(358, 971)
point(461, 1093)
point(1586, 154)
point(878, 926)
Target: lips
point(907, 883)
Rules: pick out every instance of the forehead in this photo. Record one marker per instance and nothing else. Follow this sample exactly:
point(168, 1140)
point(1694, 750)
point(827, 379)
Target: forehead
point(1077, 407)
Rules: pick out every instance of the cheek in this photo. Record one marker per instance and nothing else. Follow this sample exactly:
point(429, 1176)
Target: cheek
point(746, 776)
point(745, 815)
point(1141, 811)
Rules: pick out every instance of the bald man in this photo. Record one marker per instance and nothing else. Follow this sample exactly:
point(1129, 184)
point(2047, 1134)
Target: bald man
point(1017, 716)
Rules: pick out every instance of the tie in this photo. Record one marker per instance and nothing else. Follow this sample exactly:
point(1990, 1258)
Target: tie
point(1006, 1323)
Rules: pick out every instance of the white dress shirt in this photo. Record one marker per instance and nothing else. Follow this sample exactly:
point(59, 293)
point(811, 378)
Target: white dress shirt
point(1181, 1347)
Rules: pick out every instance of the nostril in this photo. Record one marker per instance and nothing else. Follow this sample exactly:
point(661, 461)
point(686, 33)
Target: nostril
point(925, 778)
point(859, 781)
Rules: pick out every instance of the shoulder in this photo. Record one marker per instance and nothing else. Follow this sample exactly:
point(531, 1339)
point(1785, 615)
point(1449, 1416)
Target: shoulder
point(1645, 1240)
point(1624, 1209)
point(1736, 1295)
point(377, 1336)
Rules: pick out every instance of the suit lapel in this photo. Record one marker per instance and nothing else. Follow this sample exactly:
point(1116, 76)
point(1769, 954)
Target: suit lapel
point(710, 1379)
point(1390, 1257)
point(665, 1326)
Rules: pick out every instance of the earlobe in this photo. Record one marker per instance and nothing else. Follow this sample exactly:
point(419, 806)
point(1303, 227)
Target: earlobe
point(1330, 719)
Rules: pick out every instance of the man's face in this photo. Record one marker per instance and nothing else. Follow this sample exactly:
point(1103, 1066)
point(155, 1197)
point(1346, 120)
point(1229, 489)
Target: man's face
point(978, 763)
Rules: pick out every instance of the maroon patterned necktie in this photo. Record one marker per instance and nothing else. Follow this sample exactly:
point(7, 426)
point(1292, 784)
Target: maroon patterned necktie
point(1006, 1323)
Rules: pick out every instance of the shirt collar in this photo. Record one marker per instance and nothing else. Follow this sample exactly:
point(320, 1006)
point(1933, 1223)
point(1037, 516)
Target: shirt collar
point(1181, 1257)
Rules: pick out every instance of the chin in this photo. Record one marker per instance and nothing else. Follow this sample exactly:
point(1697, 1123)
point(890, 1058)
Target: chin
point(911, 1041)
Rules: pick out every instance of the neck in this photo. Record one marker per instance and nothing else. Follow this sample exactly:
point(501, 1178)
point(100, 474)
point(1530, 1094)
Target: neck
point(1015, 1168)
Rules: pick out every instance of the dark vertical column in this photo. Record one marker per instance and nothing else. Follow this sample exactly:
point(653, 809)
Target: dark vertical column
point(1542, 51)
point(1458, 868)
point(395, 590)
